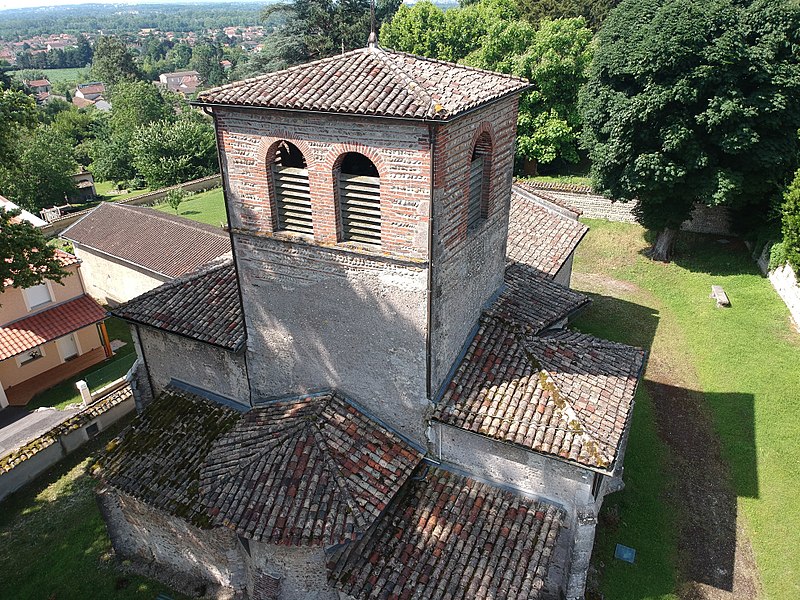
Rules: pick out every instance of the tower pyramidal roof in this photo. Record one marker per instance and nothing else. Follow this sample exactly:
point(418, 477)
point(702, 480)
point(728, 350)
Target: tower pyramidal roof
point(371, 81)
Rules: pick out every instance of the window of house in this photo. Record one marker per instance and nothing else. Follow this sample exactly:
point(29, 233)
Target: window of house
point(292, 191)
point(37, 295)
point(360, 199)
point(30, 355)
point(479, 168)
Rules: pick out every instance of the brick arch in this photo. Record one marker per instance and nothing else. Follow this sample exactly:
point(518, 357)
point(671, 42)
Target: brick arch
point(265, 156)
point(482, 141)
point(333, 160)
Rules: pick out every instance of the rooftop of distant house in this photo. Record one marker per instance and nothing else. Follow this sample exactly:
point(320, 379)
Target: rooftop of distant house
point(164, 244)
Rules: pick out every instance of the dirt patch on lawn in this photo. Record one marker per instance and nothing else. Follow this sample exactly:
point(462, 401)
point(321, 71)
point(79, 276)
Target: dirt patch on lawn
point(715, 558)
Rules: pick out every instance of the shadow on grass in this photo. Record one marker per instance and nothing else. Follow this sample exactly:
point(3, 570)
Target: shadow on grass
point(679, 506)
point(715, 255)
point(189, 212)
point(53, 542)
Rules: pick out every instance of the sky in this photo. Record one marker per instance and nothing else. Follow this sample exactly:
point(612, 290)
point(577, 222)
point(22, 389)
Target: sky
point(4, 4)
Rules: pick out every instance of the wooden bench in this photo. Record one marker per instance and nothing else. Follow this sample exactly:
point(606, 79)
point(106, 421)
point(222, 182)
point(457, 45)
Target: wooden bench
point(718, 294)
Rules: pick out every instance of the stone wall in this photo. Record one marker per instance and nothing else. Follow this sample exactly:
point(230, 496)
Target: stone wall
point(179, 554)
point(204, 366)
point(302, 571)
point(110, 280)
point(328, 318)
point(785, 282)
point(467, 265)
point(705, 219)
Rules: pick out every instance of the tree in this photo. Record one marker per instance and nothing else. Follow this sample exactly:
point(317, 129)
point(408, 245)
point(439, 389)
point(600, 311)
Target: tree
point(137, 103)
point(167, 153)
point(84, 51)
point(205, 60)
point(175, 198)
point(17, 113)
point(25, 257)
point(694, 101)
point(791, 223)
point(490, 35)
point(113, 62)
point(42, 175)
point(314, 29)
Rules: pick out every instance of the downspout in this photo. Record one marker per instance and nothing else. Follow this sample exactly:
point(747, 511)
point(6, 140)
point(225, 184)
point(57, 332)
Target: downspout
point(135, 329)
point(432, 128)
point(223, 181)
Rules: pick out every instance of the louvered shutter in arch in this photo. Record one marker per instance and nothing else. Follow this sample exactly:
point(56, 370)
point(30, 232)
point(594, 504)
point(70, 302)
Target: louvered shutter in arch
point(360, 201)
point(292, 191)
point(475, 208)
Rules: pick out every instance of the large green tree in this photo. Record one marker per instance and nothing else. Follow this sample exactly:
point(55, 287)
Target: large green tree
point(42, 174)
point(25, 257)
point(166, 152)
point(791, 223)
point(312, 29)
point(695, 101)
point(113, 62)
point(17, 113)
point(491, 35)
point(205, 60)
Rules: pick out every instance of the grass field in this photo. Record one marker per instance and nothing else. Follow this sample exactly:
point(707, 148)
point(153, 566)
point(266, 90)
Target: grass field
point(206, 207)
point(744, 361)
point(103, 189)
point(53, 542)
point(58, 75)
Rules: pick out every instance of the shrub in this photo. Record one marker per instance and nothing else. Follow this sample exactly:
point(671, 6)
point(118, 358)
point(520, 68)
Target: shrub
point(791, 224)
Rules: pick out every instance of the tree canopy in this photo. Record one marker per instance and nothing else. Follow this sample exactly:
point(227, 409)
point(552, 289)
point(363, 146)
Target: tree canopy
point(491, 35)
point(25, 257)
point(113, 62)
point(695, 101)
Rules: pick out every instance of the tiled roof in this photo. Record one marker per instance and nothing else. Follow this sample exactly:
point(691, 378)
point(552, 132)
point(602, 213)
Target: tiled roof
point(371, 81)
point(48, 325)
point(450, 537)
point(66, 258)
point(158, 458)
point(541, 190)
point(541, 234)
point(563, 393)
point(203, 306)
point(533, 303)
point(94, 410)
point(166, 244)
point(38, 83)
point(304, 472)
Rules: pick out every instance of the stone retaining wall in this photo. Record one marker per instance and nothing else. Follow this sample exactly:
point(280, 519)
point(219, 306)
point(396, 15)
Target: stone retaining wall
point(147, 199)
point(705, 219)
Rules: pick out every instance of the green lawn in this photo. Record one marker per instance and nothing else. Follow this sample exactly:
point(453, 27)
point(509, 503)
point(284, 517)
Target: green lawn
point(104, 188)
point(570, 179)
point(73, 74)
point(97, 376)
point(206, 207)
point(53, 542)
point(746, 362)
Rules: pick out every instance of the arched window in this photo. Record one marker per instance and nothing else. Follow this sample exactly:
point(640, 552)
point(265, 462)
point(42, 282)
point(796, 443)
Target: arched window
point(479, 168)
point(360, 199)
point(292, 192)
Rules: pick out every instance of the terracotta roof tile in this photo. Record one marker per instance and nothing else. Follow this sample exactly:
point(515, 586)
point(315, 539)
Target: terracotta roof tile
point(371, 81)
point(563, 393)
point(158, 458)
point(203, 306)
point(48, 325)
point(166, 244)
point(304, 472)
point(532, 303)
point(448, 537)
point(541, 234)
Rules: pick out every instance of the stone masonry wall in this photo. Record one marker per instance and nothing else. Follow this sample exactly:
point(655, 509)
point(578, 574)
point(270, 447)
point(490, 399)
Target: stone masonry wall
point(400, 150)
point(201, 365)
point(302, 571)
point(467, 265)
point(180, 554)
point(326, 318)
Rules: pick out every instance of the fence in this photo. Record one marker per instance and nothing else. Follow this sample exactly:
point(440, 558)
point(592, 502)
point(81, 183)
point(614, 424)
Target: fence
point(146, 199)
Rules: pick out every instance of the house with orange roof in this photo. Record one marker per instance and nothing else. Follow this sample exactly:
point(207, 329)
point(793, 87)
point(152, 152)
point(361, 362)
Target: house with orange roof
point(48, 333)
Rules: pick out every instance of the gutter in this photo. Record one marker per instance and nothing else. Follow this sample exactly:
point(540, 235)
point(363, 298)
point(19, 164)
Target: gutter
point(432, 129)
